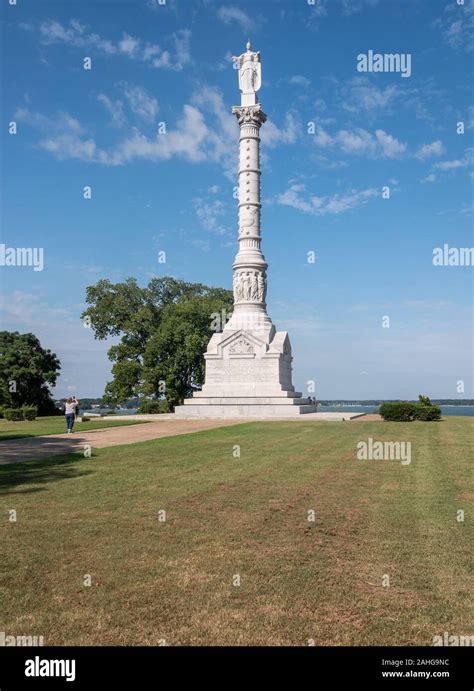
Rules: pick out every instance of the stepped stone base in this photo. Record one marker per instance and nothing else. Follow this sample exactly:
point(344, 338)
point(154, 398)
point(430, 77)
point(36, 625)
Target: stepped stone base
point(238, 407)
point(248, 374)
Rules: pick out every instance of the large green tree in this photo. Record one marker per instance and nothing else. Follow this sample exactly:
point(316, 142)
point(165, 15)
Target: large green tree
point(164, 330)
point(26, 372)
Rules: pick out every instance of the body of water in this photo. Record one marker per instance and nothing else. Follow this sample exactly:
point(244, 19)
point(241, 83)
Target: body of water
point(118, 411)
point(445, 409)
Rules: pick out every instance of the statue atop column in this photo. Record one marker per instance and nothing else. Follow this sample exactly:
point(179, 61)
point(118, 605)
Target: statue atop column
point(250, 74)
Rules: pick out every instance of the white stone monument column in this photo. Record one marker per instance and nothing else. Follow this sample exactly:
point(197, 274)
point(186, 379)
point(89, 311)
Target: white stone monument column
point(248, 364)
point(250, 278)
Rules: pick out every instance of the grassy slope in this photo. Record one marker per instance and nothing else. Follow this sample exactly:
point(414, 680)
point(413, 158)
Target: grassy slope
point(246, 516)
point(53, 425)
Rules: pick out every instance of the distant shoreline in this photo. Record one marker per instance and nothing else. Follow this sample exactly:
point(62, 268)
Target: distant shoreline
point(448, 409)
point(323, 407)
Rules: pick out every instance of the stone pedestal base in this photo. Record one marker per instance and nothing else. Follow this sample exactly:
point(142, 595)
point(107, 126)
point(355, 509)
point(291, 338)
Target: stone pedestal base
point(231, 409)
point(248, 374)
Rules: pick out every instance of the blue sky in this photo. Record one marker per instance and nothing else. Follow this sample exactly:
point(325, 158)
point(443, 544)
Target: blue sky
point(321, 189)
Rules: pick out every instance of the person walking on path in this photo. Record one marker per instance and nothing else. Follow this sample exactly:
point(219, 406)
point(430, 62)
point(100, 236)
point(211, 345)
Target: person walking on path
point(70, 412)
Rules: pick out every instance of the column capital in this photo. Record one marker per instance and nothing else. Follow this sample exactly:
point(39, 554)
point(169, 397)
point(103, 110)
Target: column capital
point(249, 115)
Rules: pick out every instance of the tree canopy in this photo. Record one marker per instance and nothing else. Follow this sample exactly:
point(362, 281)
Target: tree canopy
point(164, 330)
point(26, 372)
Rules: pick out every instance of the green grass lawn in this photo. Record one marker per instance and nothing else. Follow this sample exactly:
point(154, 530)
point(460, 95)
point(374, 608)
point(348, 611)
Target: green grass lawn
point(54, 425)
point(246, 516)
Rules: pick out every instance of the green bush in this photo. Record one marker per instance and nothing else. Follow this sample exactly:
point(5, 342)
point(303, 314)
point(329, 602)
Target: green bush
point(404, 411)
point(13, 414)
point(153, 407)
point(30, 412)
point(398, 411)
point(428, 412)
point(1, 413)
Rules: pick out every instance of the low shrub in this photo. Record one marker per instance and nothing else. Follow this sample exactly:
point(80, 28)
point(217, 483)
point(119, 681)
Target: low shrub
point(404, 411)
point(1, 413)
point(30, 412)
point(398, 411)
point(13, 414)
point(153, 407)
point(428, 412)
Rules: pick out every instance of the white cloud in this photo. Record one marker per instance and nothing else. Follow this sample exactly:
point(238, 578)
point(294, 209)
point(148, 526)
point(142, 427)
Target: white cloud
point(456, 163)
point(292, 197)
point(356, 142)
point(363, 93)
point(187, 141)
point(319, 9)
point(297, 197)
point(115, 108)
point(62, 122)
point(209, 214)
point(78, 35)
point(182, 41)
point(389, 146)
point(272, 135)
point(467, 210)
point(150, 51)
point(223, 133)
point(320, 104)
point(436, 148)
point(66, 139)
point(65, 146)
point(229, 13)
point(163, 61)
point(470, 121)
point(457, 24)
point(322, 139)
point(190, 138)
point(429, 178)
point(140, 102)
point(129, 45)
point(359, 95)
point(21, 307)
point(352, 6)
point(347, 7)
point(52, 31)
point(299, 80)
point(63, 135)
point(359, 142)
